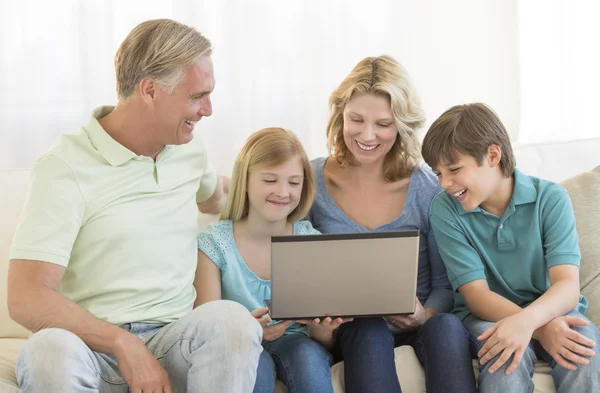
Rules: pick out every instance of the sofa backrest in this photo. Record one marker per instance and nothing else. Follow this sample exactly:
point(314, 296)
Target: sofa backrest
point(12, 197)
point(584, 190)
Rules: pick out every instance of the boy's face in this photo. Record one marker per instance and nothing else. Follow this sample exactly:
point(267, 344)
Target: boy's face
point(467, 181)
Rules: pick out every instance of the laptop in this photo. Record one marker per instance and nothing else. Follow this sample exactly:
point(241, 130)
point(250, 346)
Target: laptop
point(343, 275)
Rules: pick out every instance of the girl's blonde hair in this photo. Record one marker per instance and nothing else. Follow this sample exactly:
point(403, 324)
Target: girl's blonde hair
point(268, 147)
point(385, 77)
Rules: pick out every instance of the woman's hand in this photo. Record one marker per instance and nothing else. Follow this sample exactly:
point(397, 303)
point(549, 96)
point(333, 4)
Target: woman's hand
point(412, 321)
point(322, 330)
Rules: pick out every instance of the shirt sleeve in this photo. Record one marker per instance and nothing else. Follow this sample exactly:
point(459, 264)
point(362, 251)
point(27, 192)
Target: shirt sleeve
point(441, 297)
point(209, 244)
point(561, 242)
point(305, 228)
point(462, 261)
point(52, 216)
point(208, 178)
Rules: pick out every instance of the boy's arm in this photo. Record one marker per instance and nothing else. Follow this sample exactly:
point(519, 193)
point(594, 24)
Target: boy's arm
point(465, 267)
point(562, 256)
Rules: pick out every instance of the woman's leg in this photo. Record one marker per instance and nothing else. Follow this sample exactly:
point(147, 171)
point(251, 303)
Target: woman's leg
point(367, 347)
point(302, 364)
point(442, 346)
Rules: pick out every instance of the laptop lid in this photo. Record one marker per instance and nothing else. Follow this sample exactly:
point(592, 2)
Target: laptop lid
point(344, 275)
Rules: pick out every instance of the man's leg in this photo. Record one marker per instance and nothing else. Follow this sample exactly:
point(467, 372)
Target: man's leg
point(587, 377)
point(56, 360)
point(215, 348)
point(443, 348)
point(520, 381)
point(303, 365)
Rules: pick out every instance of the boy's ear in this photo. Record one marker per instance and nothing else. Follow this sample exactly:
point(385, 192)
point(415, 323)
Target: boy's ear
point(494, 155)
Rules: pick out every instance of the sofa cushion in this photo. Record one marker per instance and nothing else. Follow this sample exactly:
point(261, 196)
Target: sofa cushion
point(9, 350)
point(584, 190)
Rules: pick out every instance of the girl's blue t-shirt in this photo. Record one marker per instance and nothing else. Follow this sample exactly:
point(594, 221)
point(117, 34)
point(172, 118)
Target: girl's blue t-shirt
point(238, 282)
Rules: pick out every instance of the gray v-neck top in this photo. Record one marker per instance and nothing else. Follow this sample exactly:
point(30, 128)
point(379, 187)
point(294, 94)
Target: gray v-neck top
point(433, 287)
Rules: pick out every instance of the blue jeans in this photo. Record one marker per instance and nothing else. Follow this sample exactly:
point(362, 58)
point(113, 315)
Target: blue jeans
point(442, 346)
point(214, 348)
point(585, 379)
point(301, 363)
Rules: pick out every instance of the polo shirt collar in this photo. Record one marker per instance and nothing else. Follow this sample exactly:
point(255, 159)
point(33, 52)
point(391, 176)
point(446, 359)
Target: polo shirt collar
point(115, 153)
point(523, 192)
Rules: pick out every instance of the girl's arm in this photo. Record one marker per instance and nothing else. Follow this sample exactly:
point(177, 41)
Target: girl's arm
point(207, 280)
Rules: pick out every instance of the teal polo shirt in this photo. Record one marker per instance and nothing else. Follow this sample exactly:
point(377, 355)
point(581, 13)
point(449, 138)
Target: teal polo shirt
point(514, 252)
point(123, 226)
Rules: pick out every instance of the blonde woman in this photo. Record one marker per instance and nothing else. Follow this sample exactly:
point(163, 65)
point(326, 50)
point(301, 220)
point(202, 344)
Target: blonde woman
point(373, 181)
point(271, 191)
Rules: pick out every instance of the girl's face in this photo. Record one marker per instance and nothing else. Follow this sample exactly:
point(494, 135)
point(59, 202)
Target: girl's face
point(369, 127)
point(274, 192)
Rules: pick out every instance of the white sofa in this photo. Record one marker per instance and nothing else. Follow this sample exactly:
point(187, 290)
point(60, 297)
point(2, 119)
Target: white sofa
point(556, 162)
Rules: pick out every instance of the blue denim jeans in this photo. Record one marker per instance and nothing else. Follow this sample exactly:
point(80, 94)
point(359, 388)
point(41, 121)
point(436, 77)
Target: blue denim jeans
point(301, 363)
point(442, 346)
point(215, 348)
point(585, 379)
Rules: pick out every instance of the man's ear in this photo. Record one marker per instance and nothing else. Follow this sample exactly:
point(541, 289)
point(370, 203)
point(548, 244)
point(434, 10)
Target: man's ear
point(494, 155)
point(147, 90)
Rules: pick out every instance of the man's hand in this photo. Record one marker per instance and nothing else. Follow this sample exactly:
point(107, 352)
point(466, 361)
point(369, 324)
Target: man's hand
point(412, 321)
point(563, 343)
point(139, 368)
point(508, 336)
point(272, 332)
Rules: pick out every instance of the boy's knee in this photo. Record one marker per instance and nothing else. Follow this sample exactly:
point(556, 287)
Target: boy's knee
point(519, 381)
point(447, 324)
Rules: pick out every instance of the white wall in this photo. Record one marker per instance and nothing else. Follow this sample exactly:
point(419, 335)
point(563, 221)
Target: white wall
point(276, 62)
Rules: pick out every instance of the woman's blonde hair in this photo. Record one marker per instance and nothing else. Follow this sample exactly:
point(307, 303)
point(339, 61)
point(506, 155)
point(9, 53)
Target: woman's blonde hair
point(385, 77)
point(158, 49)
point(268, 147)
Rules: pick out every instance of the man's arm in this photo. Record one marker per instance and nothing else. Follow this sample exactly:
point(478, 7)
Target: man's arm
point(216, 202)
point(33, 301)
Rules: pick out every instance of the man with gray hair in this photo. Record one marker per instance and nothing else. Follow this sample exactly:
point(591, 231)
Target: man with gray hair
point(103, 261)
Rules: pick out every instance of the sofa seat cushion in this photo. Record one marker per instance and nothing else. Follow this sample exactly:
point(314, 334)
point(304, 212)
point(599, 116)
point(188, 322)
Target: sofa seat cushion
point(9, 350)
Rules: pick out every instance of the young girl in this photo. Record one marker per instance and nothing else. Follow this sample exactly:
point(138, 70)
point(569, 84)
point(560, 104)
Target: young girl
point(272, 189)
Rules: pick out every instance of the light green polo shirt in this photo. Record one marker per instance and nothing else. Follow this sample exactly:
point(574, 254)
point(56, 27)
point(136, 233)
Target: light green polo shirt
point(513, 253)
point(123, 225)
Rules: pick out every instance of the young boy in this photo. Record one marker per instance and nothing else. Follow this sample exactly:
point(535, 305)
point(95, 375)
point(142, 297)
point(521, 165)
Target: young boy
point(511, 252)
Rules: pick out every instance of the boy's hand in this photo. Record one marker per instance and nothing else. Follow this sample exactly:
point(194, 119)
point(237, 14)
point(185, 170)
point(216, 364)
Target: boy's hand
point(272, 332)
point(509, 336)
point(412, 321)
point(564, 343)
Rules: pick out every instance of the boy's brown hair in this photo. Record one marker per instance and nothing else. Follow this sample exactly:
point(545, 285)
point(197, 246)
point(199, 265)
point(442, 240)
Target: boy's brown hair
point(467, 129)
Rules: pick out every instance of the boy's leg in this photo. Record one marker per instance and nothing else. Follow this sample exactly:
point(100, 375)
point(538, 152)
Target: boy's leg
point(215, 348)
point(265, 377)
point(442, 346)
point(520, 381)
point(587, 377)
point(56, 360)
point(303, 365)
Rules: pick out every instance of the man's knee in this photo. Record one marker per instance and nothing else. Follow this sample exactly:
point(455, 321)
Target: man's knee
point(228, 319)
point(51, 356)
